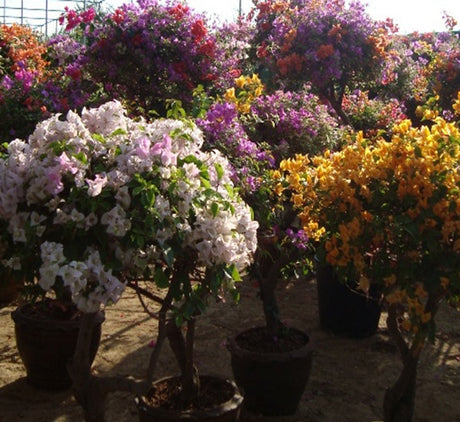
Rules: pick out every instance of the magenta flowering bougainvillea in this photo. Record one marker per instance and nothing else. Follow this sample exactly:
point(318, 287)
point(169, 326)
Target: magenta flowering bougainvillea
point(372, 115)
point(293, 122)
point(147, 53)
point(69, 86)
point(324, 42)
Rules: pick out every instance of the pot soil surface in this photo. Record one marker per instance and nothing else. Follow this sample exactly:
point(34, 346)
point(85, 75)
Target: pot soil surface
point(259, 340)
point(167, 394)
point(347, 381)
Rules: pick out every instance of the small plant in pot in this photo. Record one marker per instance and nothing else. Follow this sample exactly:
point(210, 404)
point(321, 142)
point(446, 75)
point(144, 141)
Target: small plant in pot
point(272, 363)
point(266, 360)
point(97, 201)
point(388, 213)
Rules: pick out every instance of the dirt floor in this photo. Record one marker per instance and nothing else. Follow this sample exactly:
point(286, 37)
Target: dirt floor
point(347, 383)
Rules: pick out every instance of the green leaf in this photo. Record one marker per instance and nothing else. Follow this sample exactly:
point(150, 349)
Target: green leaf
point(161, 278)
point(169, 256)
point(214, 209)
point(118, 131)
point(98, 137)
point(418, 151)
point(235, 273)
point(219, 170)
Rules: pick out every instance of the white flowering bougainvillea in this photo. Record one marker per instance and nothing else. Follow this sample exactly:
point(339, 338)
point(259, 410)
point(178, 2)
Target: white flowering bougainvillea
point(90, 201)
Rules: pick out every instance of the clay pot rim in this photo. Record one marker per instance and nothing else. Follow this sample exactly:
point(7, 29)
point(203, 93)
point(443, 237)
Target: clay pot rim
point(19, 317)
point(301, 352)
point(232, 404)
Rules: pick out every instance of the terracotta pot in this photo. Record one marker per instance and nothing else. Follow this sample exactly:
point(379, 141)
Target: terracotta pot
point(227, 411)
point(344, 311)
point(272, 382)
point(46, 345)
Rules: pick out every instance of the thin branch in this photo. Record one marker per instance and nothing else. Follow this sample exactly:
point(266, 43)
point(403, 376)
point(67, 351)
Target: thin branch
point(162, 315)
point(144, 292)
point(394, 312)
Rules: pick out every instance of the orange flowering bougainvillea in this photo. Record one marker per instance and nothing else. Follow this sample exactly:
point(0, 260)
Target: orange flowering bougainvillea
point(21, 48)
point(388, 212)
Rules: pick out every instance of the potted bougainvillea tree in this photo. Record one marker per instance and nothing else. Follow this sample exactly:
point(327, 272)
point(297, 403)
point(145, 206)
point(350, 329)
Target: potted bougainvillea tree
point(387, 212)
point(335, 46)
point(145, 53)
point(255, 130)
point(93, 202)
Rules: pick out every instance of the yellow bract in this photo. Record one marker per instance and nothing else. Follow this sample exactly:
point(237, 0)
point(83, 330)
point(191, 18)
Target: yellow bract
point(384, 203)
point(247, 89)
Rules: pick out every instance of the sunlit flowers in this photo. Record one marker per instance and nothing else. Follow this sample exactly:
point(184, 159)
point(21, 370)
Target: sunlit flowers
point(91, 201)
point(387, 212)
point(246, 90)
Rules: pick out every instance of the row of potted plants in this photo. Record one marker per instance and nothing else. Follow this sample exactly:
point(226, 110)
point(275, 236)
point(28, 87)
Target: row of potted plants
point(97, 201)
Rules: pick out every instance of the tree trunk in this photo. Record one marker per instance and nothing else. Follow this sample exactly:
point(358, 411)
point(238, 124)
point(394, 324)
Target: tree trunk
point(86, 391)
point(399, 400)
point(183, 351)
point(89, 390)
point(270, 304)
point(269, 263)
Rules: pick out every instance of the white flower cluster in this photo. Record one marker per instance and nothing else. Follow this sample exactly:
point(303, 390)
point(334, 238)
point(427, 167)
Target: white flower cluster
point(95, 180)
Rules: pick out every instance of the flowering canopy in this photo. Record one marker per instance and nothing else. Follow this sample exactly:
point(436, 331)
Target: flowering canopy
point(89, 202)
point(148, 52)
point(22, 66)
point(387, 212)
point(322, 42)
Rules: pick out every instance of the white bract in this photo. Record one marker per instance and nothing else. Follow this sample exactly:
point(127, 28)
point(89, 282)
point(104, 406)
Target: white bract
point(90, 201)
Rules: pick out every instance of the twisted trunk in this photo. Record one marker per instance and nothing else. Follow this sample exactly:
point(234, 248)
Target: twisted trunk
point(399, 400)
point(183, 351)
point(91, 391)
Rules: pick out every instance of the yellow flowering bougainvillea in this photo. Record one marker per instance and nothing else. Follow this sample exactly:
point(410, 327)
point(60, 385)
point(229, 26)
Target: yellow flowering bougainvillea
point(387, 212)
point(247, 89)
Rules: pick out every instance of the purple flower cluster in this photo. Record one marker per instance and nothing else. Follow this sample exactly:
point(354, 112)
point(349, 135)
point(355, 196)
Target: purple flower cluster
point(224, 131)
point(69, 87)
point(233, 44)
point(149, 52)
point(293, 122)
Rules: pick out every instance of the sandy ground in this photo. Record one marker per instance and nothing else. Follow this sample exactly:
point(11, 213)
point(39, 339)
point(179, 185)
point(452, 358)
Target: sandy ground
point(347, 383)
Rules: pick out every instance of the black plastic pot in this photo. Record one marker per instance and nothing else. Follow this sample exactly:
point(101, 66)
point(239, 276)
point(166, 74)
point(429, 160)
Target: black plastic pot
point(227, 411)
point(272, 382)
point(345, 311)
point(46, 345)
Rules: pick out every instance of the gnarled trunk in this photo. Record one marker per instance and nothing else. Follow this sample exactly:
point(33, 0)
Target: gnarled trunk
point(183, 351)
point(399, 400)
point(91, 391)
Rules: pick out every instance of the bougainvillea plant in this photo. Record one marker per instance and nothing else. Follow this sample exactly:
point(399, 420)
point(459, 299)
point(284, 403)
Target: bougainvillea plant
point(373, 116)
point(92, 202)
point(293, 122)
point(147, 53)
point(327, 43)
point(388, 212)
point(22, 67)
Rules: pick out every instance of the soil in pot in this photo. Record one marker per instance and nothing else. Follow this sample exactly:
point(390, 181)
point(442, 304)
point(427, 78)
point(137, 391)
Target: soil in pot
point(46, 338)
point(219, 400)
point(271, 372)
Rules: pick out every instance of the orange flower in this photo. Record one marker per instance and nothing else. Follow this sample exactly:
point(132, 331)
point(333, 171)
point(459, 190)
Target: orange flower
point(325, 51)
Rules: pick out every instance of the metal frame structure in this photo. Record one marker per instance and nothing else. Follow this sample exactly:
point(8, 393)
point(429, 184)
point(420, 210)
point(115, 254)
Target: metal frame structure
point(41, 15)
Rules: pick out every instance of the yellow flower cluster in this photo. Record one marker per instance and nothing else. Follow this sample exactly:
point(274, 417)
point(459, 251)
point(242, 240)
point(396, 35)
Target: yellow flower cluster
point(381, 208)
point(247, 89)
point(456, 105)
point(415, 303)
